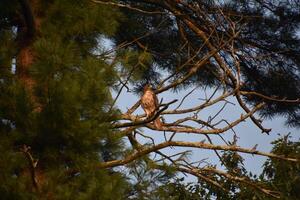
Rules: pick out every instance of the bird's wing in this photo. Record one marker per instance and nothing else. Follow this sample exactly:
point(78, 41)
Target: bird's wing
point(155, 100)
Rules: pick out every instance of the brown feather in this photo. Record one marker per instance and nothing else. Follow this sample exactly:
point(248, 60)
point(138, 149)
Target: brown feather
point(149, 103)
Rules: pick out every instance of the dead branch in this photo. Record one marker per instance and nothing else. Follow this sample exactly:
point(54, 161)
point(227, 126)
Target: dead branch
point(127, 6)
point(32, 165)
point(276, 99)
point(146, 150)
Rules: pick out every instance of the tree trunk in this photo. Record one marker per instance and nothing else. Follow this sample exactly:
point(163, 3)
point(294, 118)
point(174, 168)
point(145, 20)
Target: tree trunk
point(28, 28)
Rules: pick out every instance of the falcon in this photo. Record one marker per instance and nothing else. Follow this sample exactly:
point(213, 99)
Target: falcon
point(149, 103)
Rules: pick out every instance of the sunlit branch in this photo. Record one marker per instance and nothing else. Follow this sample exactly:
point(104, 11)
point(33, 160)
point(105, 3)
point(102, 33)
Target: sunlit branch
point(32, 165)
point(214, 131)
point(146, 150)
point(244, 180)
point(202, 106)
point(139, 122)
point(276, 99)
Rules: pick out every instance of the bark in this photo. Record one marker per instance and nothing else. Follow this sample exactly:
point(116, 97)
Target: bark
point(28, 28)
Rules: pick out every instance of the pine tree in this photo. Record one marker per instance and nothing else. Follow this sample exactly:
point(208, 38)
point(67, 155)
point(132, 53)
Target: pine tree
point(54, 101)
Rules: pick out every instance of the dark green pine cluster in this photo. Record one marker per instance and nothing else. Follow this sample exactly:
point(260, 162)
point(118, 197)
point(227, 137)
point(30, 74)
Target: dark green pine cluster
point(70, 134)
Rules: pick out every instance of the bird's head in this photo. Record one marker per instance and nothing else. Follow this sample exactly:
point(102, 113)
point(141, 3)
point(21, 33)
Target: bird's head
point(147, 87)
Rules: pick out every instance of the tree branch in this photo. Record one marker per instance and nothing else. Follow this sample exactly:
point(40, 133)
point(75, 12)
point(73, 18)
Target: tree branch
point(32, 165)
point(146, 150)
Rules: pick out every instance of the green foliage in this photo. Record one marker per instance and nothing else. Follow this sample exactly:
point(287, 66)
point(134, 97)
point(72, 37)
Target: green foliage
point(146, 178)
point(179, 190)
point(70, 134)
point(282, 176)
point(134, 64)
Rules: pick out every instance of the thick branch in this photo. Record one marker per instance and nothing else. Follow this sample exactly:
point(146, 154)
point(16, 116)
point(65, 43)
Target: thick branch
point(146, 150)
point(142, 122)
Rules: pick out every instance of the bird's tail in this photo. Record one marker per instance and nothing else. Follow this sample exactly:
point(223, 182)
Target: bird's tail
point(158, 123)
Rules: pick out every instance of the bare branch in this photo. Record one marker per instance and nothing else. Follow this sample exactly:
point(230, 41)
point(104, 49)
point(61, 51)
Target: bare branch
point(244, 180)
point(146, 150)
point(282, 100)
point(127, 6)
point(32, 165)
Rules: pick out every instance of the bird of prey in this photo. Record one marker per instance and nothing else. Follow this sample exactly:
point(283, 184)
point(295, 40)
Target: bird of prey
point(149, 103)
